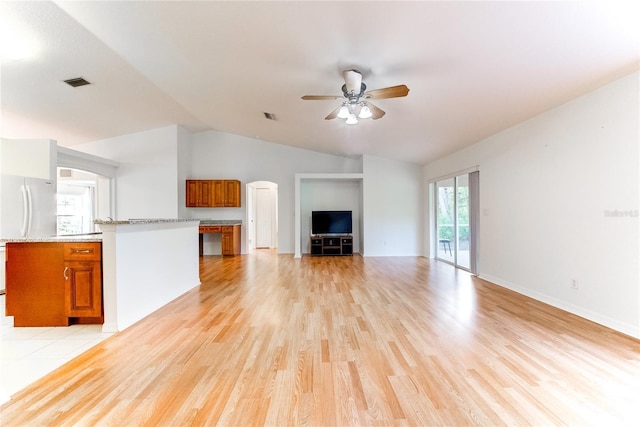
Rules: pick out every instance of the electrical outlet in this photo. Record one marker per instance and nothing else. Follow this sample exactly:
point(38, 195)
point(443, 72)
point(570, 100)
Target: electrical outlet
point(574, 284)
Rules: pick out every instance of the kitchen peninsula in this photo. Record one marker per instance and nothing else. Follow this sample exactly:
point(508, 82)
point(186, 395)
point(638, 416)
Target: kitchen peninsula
point(116, 277)
point(146, 264)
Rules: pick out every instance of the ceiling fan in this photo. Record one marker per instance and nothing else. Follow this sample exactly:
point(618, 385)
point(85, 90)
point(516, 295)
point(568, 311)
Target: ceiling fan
point(356, 99)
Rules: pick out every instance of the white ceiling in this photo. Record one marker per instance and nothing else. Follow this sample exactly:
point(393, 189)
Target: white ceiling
point(473, 68)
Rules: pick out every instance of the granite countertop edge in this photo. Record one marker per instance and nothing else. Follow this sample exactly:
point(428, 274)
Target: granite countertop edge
point(55, 239)
point(168, 220)
point(143, 221)
point(97, 237)
point(220, 222)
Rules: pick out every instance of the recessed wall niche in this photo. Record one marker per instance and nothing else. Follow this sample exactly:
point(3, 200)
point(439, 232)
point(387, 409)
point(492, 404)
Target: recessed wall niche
point(327, 192)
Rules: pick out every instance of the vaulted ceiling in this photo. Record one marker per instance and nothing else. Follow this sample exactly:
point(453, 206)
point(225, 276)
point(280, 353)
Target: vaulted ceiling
point(473, 68)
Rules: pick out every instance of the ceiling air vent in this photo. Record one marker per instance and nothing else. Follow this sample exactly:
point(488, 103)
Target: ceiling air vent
point(269, 116)
point(78, 81)
point(66, 173)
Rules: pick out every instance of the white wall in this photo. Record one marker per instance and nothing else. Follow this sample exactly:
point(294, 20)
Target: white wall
point(549, 192)
point(393, 198)
point(184, 169)
point(218, 155)
point(147, 178)
point(145, 266)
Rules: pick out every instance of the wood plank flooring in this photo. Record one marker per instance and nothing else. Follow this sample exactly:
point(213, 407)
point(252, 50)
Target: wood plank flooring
point(270, 340)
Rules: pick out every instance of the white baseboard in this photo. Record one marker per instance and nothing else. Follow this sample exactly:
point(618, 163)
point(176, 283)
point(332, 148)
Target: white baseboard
point(625, 328)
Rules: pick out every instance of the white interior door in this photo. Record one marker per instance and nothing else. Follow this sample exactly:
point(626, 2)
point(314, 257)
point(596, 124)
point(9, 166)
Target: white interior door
point(264, 218)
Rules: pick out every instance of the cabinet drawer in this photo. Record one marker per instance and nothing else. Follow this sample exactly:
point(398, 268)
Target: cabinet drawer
point(316, 241)
point(227, 228)
point(82, 251)
point(347, 241)
point(210, 229)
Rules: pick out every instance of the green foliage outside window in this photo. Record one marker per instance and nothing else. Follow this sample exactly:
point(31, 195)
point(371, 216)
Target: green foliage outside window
point(446, 213)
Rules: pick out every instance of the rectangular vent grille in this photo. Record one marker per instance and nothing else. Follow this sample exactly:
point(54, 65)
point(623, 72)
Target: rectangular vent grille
point(78, 81)
point(269, 116)
point(66, 173)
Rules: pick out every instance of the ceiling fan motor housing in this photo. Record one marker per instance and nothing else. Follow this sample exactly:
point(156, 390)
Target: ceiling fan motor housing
point(353, 82)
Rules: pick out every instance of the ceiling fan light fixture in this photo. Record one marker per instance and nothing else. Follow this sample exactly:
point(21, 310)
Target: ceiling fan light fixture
point(351, 120)
point(365, 112)
point(344, 112)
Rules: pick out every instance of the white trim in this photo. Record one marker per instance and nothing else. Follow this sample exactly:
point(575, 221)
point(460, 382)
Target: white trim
point(625, 328)
point(87, 162)
point(454, 174)
point(299, 177)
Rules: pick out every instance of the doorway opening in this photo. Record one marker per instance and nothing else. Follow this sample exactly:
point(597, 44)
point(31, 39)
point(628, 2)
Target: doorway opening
point(262, 215)
point(81, 197)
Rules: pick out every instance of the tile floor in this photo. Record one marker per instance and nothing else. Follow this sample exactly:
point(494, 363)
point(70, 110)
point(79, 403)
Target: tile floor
point(29, 353)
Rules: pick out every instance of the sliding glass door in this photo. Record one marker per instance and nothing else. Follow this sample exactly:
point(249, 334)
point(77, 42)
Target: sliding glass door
point(445, 219)
point(462, 222)
point(456, 213)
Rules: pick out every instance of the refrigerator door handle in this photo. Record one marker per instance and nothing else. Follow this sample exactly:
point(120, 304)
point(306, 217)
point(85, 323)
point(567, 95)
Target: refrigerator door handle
point(29, 198)
point(25, 211)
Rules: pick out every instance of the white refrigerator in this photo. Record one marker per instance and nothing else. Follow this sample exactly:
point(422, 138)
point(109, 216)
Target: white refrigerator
point(27, 209)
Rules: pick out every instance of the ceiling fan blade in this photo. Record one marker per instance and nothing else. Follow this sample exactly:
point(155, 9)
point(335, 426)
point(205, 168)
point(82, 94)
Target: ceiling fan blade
point(321, 97)
point(375, 111)
point(333, 114)
point(387, 92)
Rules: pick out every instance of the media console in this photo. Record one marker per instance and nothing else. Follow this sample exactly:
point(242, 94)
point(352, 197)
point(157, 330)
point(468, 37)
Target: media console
point(331, 245)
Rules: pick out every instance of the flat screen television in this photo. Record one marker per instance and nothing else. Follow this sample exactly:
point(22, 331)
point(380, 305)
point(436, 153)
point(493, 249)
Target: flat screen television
point(331, 222)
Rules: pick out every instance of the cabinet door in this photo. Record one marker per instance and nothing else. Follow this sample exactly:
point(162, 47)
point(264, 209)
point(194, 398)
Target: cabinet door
point(227, 243)
point(199, 193)
point(83, 289)
point(206, 192)
point(232, 193)
point(192, 193)
point(218, 193)
point(34, 284)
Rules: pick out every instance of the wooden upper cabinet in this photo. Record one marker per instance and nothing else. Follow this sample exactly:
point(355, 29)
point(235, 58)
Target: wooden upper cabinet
point(199, 193)
point(232, 193)
point(206, 193)
point(218, 193)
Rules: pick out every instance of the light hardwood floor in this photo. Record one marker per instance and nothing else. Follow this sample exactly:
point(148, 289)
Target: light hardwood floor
point(269, 340)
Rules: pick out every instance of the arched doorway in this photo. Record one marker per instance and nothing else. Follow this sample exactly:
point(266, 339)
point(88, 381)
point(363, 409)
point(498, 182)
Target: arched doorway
point(262, 215)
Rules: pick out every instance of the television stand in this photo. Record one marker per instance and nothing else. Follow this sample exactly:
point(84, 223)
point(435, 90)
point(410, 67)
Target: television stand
point(336, 245)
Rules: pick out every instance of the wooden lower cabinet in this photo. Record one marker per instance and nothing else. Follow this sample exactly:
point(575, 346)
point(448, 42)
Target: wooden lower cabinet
point(54, 284)
point(230, 238)
point(83, 289)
